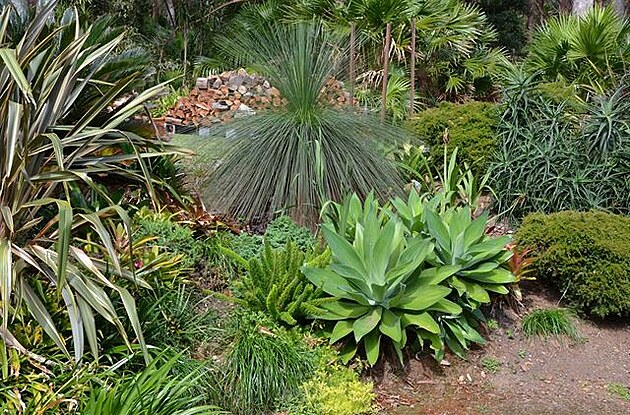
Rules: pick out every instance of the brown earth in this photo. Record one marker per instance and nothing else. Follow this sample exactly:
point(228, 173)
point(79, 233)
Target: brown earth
point(536, 376)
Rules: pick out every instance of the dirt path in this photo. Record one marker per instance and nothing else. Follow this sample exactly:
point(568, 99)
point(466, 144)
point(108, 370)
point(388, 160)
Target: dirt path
point(533, 376)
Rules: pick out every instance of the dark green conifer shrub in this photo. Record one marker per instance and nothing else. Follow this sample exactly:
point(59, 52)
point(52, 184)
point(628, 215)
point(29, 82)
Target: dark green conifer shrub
point(471, 127)
point(585, 255)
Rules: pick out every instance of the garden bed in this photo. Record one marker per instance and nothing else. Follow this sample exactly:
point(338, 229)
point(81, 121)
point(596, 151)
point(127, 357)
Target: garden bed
point(534, 376)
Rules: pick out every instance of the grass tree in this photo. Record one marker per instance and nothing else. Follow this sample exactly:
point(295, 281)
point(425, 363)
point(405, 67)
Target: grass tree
point(43, 76)
point(305, 152)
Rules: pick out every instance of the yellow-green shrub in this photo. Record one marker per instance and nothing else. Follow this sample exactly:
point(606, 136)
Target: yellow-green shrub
point(335, 390)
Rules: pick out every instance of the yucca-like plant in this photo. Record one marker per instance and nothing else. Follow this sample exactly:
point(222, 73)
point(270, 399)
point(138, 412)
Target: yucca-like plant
point(43, 75)
point(297, 156)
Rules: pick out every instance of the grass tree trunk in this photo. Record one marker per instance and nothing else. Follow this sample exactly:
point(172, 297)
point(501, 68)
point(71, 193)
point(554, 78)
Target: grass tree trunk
point(388, 39)
point(582, 7)
point(412, 69)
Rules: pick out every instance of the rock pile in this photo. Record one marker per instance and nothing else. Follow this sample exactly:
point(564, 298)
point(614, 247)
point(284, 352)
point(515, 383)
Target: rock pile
point(220, 98)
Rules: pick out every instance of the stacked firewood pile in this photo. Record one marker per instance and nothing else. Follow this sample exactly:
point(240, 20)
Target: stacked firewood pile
point(219, 98)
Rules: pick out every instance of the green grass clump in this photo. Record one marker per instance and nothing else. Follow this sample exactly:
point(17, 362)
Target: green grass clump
point(264, 365)
point(471, 128)
point(620, 390)
point(549, 322)
point(585, 255)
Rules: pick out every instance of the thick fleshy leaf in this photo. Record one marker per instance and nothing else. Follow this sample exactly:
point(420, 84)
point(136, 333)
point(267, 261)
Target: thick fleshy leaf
point(341, 330)
point(391, 326)
point(437, 229)
point(420, 300)
point(372, 344)
point(446, 306)
point(423, 320)
point(366, 323)
point(340, 310)
point(343, 250)
point(495, 276)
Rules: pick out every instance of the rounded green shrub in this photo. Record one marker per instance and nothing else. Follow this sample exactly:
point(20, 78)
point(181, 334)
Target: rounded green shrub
point(471, 127)
point(585, 254)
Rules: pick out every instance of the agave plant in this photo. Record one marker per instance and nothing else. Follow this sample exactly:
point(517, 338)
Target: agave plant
point(383, 286)
point(305, 152)
point(43, 75)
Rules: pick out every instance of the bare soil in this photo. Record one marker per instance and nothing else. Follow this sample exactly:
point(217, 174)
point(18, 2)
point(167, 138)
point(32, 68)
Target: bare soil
point(535, 377)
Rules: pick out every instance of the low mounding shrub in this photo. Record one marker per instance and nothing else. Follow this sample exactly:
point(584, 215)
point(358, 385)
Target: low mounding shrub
point(333, 390)
point(172, 237)
point(585, 254)
point(471, 127)
point(283, 229)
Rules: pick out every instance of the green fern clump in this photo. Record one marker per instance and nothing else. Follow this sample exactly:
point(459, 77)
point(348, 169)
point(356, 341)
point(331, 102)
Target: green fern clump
point(275, 285)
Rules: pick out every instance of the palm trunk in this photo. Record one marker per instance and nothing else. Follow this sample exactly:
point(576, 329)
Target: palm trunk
point(353, 76)
point(412, 65)
point(388, 39)
point(582, 7)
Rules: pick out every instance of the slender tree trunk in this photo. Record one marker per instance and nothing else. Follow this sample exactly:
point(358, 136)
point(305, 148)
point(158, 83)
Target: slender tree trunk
point(412, 64)
point(582, 7)
point(564, 6)
point(620, 7)
point(388, 39)
point(353, 75)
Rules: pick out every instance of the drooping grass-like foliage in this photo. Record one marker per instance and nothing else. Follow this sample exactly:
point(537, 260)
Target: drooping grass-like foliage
point(46, 71)
point(154, 391)
point(265, 364)
point(295, 157)
point(549, 322)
